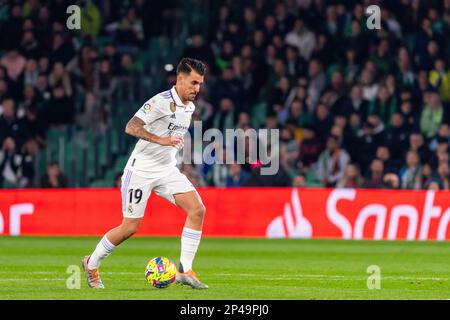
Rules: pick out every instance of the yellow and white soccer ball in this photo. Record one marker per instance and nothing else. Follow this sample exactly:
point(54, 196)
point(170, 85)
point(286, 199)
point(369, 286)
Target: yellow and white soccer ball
point(160, 272)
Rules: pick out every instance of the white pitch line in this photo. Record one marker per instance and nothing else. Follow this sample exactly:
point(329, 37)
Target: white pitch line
point(328, 277)
point(249, 275)
point(33, 279)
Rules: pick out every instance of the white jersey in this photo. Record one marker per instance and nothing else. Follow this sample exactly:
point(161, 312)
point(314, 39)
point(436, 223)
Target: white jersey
point(164, 115)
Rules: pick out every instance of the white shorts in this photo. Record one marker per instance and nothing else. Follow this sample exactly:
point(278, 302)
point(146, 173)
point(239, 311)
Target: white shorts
point(136, 190)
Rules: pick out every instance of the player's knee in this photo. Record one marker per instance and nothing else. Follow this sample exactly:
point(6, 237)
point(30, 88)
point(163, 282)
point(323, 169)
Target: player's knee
point(130, 229)
point(198, 212)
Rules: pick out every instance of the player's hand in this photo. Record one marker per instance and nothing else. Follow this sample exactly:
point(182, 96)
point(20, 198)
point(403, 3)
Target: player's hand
point(173, 141)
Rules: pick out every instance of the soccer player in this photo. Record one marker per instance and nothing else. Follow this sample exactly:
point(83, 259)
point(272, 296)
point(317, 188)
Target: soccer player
point(160, 125)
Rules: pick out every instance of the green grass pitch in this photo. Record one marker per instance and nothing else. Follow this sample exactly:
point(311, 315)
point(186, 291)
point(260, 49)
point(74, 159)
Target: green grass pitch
point(36, 268)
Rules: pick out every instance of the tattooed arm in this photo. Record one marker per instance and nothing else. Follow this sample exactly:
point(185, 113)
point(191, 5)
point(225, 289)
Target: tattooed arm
point(135, 128)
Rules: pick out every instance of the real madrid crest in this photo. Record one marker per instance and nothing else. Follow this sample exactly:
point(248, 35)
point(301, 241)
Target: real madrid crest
point(173, 107)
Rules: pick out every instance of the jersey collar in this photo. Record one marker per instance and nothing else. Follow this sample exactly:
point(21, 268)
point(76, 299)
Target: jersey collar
point(176, 98)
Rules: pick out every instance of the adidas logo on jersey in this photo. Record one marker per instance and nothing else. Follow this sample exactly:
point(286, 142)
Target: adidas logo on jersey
point(173, 116)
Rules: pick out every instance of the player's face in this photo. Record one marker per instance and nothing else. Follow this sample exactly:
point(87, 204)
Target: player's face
point(189, 85)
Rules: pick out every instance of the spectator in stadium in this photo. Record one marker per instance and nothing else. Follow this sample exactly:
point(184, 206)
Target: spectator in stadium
point(131, 32)
point(444, 175)
point(28, 153)
point(352, 177)
point(310, 148)
point(295, 65)
point(384, 105)
point(396, 136)
point(384, 154)
point(236, 175)
point(29, 102)
point(279, 179)
point(411, 173)
point(382, 59)
point(302, 38)
point(332, 163)
point(44, 65)
point(279, 95)
point(31, 73)
point(391, 181)
point(91, 20)
point(417, 144)
point(316, 83)
point(9, 123)
point(368, 84)
point(227, 86)
point(29, 46)
point(440, 78)
point(60, 77)
point(289, 148)
point(427, 175)
point(433, 114)
point(60, 109)
point(10, 162)
point(226, 116)
point(405, 75)
point(199, 49)
point(111, 55)
point(426, 46)
point(92, 118)
point(128, 73)
point(368, 138)
point(296, 116)
point(442, 136)
point(105, 83)
point(14, 63)
point(12, 27)
point(434, 185)
point(375, 174)
point(299, 181)
point(322, 120)
point(62, 48)
point(31, 126)
point(410, 117)
point(442, 147)
point(42, 88)
point(54, 178)
point(82, 68)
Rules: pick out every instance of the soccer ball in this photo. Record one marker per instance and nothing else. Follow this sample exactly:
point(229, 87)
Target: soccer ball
point(160, 272)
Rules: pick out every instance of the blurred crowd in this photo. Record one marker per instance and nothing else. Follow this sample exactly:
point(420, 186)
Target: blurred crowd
point(356, 107)
point(45, 68)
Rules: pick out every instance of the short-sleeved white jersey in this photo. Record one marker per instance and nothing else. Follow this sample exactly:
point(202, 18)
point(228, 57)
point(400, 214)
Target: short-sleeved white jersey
point(164, 115)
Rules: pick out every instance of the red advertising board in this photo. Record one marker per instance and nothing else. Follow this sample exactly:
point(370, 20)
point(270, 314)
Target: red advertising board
point(238, 212)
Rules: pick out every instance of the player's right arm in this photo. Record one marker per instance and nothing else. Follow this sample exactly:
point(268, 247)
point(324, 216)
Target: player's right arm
point(135, 128)
point(146, 115)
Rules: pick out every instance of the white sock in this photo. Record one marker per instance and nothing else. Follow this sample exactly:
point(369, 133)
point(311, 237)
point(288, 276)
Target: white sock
point(103, 249)
point(190, 239)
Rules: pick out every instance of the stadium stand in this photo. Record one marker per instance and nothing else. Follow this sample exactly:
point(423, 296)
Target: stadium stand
point(355, 107)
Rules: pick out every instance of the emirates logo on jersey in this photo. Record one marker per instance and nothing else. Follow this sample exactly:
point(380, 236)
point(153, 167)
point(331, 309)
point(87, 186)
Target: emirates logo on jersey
point(173, 126)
